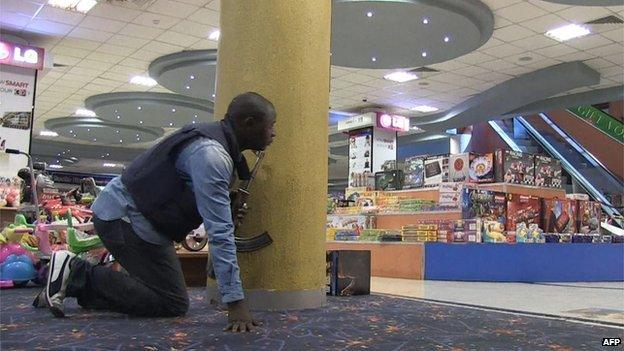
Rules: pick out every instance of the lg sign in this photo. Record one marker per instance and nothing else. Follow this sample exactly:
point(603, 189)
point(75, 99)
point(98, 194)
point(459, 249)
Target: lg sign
point(393, 122)
point(21, 55)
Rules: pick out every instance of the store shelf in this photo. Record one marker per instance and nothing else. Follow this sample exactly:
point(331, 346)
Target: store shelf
point(388, 259)
point(419, 213)
point(9, 208)
point(547, 193)
point(396, 221)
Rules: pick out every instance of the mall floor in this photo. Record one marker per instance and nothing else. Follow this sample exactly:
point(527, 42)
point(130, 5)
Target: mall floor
point(380, 321)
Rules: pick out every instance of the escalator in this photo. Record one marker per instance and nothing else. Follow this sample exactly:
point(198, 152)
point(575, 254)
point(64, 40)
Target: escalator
point(539, 134)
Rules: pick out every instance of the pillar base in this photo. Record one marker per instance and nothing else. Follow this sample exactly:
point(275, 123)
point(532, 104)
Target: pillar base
point(272, 300)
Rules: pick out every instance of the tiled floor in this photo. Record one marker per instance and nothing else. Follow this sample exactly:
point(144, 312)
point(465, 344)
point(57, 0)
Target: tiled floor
point(603, 302)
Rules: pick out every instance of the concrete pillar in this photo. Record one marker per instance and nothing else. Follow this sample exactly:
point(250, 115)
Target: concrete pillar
point(281, 49)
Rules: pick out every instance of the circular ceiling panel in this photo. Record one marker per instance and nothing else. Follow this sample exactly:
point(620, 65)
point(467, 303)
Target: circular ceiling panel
point(190, 73)
point(406, 33)
point(98, 131)
point(147, 109)
point(588, 2)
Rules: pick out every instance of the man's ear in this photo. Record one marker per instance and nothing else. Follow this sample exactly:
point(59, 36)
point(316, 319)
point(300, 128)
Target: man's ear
point(249, 121)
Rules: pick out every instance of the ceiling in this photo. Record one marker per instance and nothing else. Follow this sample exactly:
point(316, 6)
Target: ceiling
point(99, 52)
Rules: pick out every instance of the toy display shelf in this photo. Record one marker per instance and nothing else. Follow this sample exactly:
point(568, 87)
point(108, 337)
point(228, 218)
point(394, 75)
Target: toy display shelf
point(547, 193)
point(388, 259)
point(397, 220)
point(431, 194)
point(194, 267)
point(7, 216)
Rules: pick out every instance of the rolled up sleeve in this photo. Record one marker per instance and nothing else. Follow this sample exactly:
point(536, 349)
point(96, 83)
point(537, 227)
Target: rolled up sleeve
point(210, 170)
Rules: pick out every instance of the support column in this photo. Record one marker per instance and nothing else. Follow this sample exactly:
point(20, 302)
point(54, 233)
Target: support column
point(281, 49)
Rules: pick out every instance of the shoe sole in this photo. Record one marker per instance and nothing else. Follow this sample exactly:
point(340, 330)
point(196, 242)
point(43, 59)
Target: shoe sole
point(56, 311)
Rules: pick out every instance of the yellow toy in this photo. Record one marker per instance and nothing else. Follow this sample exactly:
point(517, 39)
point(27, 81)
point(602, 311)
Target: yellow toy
point(494, 232)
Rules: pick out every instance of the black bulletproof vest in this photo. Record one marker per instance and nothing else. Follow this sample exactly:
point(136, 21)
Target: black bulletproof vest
point(156, 187)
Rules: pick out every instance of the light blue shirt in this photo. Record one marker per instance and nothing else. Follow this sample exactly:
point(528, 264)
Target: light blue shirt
point(207, 168)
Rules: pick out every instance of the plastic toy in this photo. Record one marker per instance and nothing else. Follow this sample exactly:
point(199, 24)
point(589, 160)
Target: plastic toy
point(494, 232)
point(17, 265)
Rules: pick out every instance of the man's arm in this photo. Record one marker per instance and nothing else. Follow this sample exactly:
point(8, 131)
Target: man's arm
point(210, 170)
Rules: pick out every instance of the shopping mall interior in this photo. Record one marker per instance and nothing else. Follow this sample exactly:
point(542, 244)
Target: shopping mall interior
point(444, 174)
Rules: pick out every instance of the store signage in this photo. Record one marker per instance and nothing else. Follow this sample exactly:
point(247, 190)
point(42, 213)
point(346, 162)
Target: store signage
point(606, 123)
point(356, 122)
point(21, 55)
point(393, 122)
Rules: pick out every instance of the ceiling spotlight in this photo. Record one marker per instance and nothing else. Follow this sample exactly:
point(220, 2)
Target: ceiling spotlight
point(173, 110)
point(195, 116)
point(55, 166)
point(138, 139)
point(568, 32)
point(373, 59)
point(192, 77)
point(120, 140)
point(109, 165)
point(117, 131)
point(424, 108)
point(137, 135)
point(84, 112)
point(48, 133)
point(213, 95)
point(94, 139)
point(401, 76)
point(447, 39)
point(140, 122)
point(369, 14)
point(214, 35)
point(171, 124)
point(118, 116)
point(107, 154)
point(193, 122)
point(139, 108)
point(424, 54)
point(425, 20)
point(74, 5)
point(143, 80)
point(188, 87)
point(88, 129)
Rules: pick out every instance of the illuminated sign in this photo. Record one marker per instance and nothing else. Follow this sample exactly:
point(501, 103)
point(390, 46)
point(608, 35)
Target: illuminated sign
point(21, 55)
point(357, 122)
point(393, 122)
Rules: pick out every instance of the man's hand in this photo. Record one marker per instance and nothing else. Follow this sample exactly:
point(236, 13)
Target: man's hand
point(239, 318)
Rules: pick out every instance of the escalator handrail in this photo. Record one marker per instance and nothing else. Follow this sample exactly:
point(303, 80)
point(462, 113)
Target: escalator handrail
point(606, 204)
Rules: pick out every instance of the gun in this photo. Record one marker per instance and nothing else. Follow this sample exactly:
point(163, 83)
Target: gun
point(239, 202)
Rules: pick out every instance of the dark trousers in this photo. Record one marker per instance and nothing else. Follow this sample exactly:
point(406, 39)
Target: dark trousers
point(153, 285)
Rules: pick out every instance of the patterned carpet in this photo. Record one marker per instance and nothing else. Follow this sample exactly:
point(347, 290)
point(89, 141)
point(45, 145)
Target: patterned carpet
point(355, 323)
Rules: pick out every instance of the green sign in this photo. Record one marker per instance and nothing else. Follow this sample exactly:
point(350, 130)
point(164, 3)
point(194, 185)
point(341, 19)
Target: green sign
point(605, 122)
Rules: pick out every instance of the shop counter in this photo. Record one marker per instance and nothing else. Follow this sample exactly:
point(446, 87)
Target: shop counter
point(388, 259)
point(524, 262)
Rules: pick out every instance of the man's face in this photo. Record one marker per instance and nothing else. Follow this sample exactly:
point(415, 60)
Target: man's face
point(262, 133)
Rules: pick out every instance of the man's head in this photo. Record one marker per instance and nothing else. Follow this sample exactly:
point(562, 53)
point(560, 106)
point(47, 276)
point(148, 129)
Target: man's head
point(253, 118)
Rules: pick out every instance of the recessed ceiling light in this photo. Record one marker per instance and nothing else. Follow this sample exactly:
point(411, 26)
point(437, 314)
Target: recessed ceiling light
point(84, 112)
point(188, 87)
point(568, 32)
point(88, 129)
point(55, 166)
point(195, 116)
point(120, 140)
point(140, 122)
point(109, 165)
point(94, 139)
point(425, 20)
point(48, 133)
point(369, 14)
point(118, 116)
point(192, 76)
point(423, 54)
point(170, 124)
point(107, 154)
point(193, 122)
point(173, 110)
point(74, 5)
point(117, 131)
point(213, 95)
point(447, 39)
point(143, 80)
point(373, 59)
point(139, 108)
point(424, 108)
point(401, 76)
point(214, 35)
